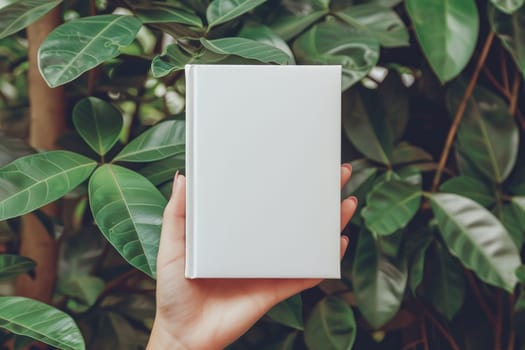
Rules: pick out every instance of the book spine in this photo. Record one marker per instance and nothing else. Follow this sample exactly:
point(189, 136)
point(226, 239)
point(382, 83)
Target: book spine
point(190, 114)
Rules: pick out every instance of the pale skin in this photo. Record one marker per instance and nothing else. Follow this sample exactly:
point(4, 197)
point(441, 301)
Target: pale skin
point(209, 314)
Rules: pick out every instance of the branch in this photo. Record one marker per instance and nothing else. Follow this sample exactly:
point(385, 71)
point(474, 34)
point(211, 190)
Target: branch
point(448, 337)
point(513, 98)
point(479, 298)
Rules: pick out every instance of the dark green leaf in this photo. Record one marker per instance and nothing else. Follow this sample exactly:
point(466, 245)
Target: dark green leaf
point(220, 11)
point(378, 21)
point(288, 312)
point(488, 134)
point(173, 59)
point(82, 291)
point(284, 343)
point(164, 170)
point(405, 153)
point(14, 265)
point(520, 274)
point(331, 326)
point(289, 26)
point(477, 238)
point(362, 171)
point(379, 281)
point(164, 140)
point(513, 218)
point(394, 95)
point(80, 252)
point(18, 14)
point(508, 6)
point(40, 321)
point(390, 206)
point(33, 181)
point(247, 48)
point(98, 122)
point(471, 188)
point(447, 32)
point(266, 35)
point(128, 210)
point(167, 14)
point(79, 45)
point(417, 266)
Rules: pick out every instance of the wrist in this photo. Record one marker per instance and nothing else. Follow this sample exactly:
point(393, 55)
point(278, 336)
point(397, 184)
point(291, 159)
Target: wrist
point(160, 339)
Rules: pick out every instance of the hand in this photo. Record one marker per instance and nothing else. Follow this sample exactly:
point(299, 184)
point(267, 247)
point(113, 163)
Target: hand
point(212, 313)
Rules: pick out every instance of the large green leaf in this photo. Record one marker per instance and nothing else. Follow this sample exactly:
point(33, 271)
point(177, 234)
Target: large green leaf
point(405, 153)
point(508, 6)
point(390, 206)
point(331, 326)
point(512, 216)
point(164, 13)
point(446, 283)
point(40, 321)
point(379, 21)
point(172, 59)
point(477, 239)
point(288, 312)
point(488, 135)
point(447, 32)
point(395, 97)
point(289, 26)
point(220, 11)
point(379, 281)
point(469, 187)
point(33, 181)
point(128, 210)
point(331, 42)
point(247, 48)
point(417, 247)
point(79, 45)
point(18, 14)
point(266, 35)
point(14, 265)
point(98, 122)
point(511, 31)
point(161, 141)
point(365, 126)
point(164, 170)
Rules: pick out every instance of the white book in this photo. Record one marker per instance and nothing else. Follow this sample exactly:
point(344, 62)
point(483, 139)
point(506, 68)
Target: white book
point(263, 171)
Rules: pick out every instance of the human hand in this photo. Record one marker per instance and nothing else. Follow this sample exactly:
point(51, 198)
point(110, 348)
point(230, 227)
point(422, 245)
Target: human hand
point(212, 313)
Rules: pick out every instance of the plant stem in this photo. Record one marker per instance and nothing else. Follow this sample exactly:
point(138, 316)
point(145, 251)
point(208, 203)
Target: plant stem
point(461, 110)
point(479, 297)
point(499, 320)
point(513, 100)
point(424, 334)
point(448, 337)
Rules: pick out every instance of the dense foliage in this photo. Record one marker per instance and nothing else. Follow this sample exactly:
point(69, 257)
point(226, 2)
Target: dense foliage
point(432, 125)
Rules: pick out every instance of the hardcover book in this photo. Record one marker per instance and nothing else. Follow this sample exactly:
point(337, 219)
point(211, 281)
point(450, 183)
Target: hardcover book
point(263, 171)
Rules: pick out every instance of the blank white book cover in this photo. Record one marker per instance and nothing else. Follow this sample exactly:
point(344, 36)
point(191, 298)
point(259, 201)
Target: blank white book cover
point(263, 171)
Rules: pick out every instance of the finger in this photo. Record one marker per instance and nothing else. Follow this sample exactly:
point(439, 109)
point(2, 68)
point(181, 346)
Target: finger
point(344, 245)
point(346, 172)
point(348, 207)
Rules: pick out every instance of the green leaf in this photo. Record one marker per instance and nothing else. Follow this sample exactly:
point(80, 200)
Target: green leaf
point(471, 188)
point(172, 59)
point(334, 43)
point(221, 11)
point(513, 218)
point(395, 97)
point(247, 48)
point(82, 44)
point(390, 206)
point(289, 26)
point(447, 284)
point(82, 291)
point(331, 326)
point(379, 281)
point(164, 140)
point(14, 265)
point(286, 342)
point(477, 238)
point(362, 171)
point(420, 245)
point(511, 31)
point(267, 36)
point(447, 32)
point(18, 14)
point(167, 14)
point(40, 321)
point(378, 21)
point(98, 122)
point(288, 312)
point(33, 181)
point(365, 126)
point(128, 210)
point(487, 135)
point(164, 170)
point(508, 6)
point(405, 153)
point(12, 148)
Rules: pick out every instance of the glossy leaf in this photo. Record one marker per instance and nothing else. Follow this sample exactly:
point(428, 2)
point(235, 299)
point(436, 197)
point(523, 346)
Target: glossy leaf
point(513, 218)
point(471, 188)
point(447, 32)
point(488, 134)
point(331, 326)
point(289, 26)
point(378, 21)
point(379, 281)
point(167, 14)
point(284, 343)
point(128, 210)
point(247, 48)
point(417, 266)
point(508, 6)
point(405, 153)
point(221, 11)
point(173, 59)
point(14, 265)
point(18, 14)
point(477, 239)
point(164, 170)
point(362, 171)
point(79, 45)
point(390, 206)
point(334, 43)
point(395, 97)
point(40, 321)
point(288, 312)
point(98, 122)
point(33, 181)
point(266, 35)
point(163, 140)
point(82, 291)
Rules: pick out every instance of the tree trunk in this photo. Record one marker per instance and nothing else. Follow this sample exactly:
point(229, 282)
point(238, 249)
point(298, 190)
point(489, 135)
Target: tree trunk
point(47, 123)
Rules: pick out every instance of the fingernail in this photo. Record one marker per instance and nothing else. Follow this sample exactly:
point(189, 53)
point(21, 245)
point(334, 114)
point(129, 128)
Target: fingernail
point(175, 180)
point(354, 199)
point(345, 238)
point(347, 165)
